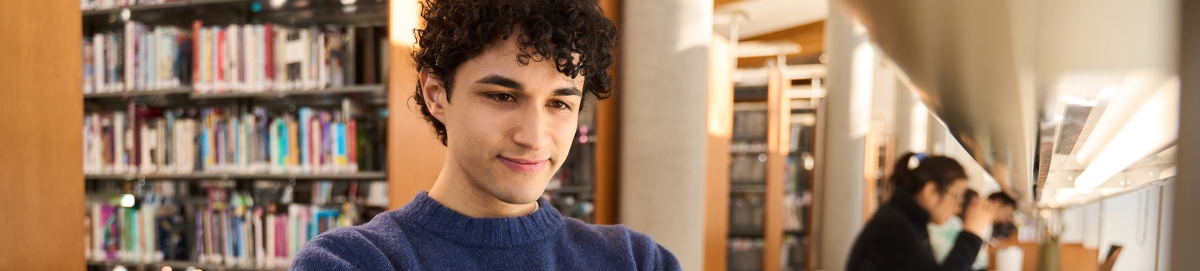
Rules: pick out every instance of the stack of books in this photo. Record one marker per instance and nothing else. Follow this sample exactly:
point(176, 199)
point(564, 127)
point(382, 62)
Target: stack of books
point(214, 59)
point(137, 59)
point(262, 227)
point(745, 254)
point(111, 4)
point(235, 139)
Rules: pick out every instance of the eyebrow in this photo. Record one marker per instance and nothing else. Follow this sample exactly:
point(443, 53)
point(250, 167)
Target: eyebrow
point(506, 82)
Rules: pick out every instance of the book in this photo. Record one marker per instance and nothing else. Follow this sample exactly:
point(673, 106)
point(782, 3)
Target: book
point(242, 140)
point(232, 58)
point(259, 226)
point(235, 57)
point(197, 65)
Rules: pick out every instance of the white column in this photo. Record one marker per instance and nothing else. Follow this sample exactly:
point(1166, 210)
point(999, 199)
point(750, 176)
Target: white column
point(664, 82)
point(846, 120)
point(911, 121)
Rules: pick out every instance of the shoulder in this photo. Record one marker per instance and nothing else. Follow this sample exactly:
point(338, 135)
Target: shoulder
point(608, 235)
point(646, 253)
point(889, 218)
point(363, 247)
point(889, 228)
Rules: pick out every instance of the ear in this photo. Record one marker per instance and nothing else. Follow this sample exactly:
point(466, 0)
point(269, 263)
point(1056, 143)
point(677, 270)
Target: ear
point(434, 95)
point(930, 192)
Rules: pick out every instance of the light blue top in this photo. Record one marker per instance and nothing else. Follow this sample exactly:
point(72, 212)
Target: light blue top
point(941, 239)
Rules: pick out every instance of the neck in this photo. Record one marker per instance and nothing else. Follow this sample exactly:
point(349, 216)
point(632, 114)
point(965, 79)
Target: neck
point(456, 191)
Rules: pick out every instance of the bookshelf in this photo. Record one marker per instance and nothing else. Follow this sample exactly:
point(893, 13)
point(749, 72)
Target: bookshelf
point(749, 185)
point(772, 153)
point(374, 90)
point(156, 6)
point(362, 89)
point(359, 176)
point(247, 127)
point(798, 189)
point(174, 265)
point(572, 189)
point(125, 95)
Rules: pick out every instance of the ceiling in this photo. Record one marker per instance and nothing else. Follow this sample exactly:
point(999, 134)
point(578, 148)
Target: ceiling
point(766, 16)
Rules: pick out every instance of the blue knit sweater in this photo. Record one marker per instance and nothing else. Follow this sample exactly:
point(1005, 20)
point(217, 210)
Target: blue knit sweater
point(425, 235)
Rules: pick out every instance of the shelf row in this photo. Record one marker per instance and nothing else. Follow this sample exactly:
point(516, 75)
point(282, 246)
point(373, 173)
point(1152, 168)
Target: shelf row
point(174, 265)
point(186, 90)
point(107, 12)
point(225, 176)
point(107, 7)
point(359, 176)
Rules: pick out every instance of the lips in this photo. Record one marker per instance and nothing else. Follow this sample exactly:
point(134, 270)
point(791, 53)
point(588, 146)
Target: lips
point(523, 165)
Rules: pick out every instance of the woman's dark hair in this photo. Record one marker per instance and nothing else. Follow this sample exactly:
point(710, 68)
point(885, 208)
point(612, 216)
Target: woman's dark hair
point(940, 170)
point(551, 30)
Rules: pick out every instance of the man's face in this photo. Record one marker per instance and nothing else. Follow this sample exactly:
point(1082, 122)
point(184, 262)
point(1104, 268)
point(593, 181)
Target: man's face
point(509, 127)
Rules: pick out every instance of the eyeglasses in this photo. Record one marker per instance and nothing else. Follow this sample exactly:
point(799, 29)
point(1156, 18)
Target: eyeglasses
point(956, 195)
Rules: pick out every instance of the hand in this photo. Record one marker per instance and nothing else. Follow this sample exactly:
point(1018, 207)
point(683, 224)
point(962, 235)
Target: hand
point(979, 217)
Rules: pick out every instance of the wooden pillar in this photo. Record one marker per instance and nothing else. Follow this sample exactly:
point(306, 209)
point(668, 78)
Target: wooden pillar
point(41, 143)
point(870, 169)
point(414, 154)
point(608, 136)
point(779, 113)
point(720, 134)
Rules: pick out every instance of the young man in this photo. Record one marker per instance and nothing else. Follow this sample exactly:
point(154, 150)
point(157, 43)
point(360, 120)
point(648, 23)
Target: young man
point(502, 83)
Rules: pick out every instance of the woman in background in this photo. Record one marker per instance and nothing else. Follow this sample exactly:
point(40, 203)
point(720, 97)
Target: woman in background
point(926, 190)
point(941, 236)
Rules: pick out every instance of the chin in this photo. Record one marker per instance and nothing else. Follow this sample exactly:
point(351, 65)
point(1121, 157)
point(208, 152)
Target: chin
point(517, 190)
point(939, 220)
point(518, 197)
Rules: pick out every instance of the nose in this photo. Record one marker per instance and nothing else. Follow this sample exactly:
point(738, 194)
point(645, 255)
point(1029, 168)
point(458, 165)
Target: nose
point(531, 131)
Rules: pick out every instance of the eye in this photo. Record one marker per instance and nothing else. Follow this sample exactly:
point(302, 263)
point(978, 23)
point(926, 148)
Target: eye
point(501, 98)
point(560, 105)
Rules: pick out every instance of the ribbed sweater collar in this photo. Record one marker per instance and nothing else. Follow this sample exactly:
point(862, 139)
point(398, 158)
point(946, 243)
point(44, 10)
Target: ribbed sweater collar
point(431, 216)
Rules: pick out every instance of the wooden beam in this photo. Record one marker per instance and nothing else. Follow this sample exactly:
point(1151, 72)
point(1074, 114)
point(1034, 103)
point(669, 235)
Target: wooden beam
point(778, 125)
point(718, 3)
point(720, 134)
point(41, 110)
point(415, 156)
point(608, 135)
point(810, 37)
point(870, 170)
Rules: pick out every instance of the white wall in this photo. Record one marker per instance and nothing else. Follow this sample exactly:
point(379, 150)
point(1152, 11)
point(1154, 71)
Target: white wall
point(1135, 221)
point(1131, 220)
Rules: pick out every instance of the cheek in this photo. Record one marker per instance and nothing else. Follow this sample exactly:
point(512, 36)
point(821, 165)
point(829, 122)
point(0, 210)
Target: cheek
point(951, 206)
point(472, 127)
point(945, 207)
point(563, 129)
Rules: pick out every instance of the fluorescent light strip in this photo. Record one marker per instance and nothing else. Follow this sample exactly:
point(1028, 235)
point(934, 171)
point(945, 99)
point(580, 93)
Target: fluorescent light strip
point(1153, 127)
point(1134, 93)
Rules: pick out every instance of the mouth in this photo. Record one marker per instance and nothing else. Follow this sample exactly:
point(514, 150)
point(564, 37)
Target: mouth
point(524, 165)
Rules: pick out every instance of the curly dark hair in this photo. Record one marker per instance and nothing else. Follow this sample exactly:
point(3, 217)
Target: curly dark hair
point(555, 30)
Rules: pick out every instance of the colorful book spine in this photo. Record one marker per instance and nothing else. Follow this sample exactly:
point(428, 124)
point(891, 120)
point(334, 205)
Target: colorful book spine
point(197, 68)
point(225, 140)
point(305, 148)
point(352, 145)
